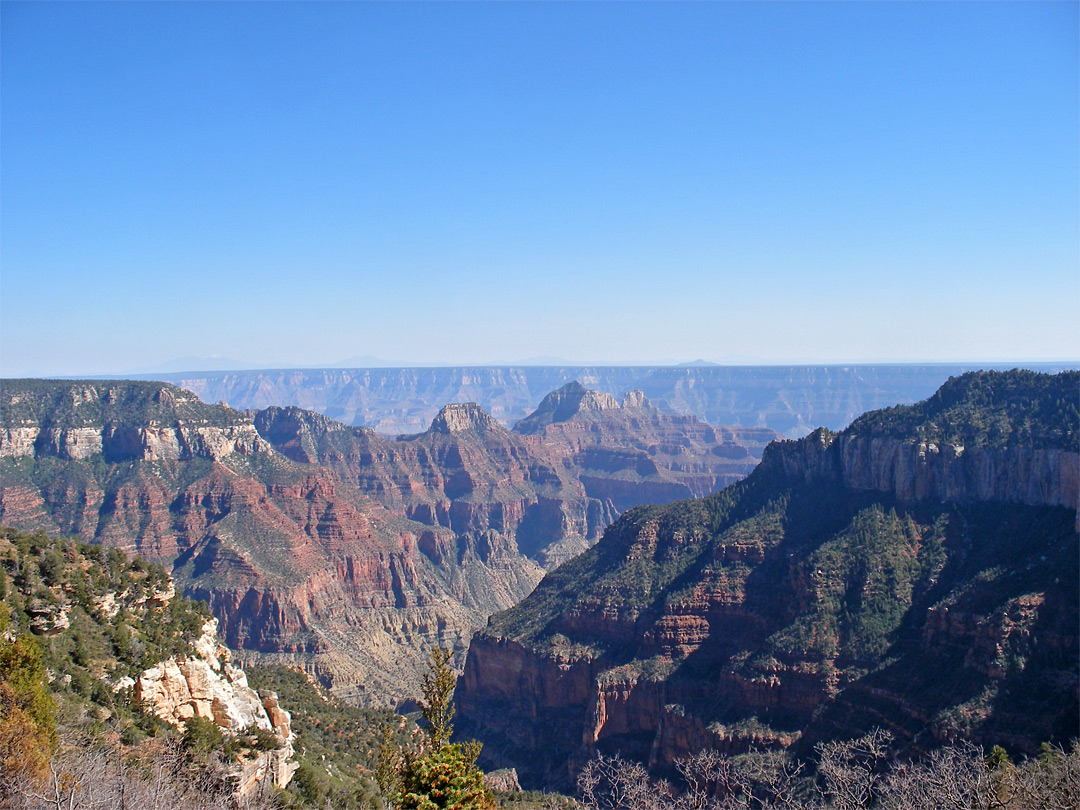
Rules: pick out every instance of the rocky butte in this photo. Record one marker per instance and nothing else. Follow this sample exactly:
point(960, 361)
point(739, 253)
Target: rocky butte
point(916, 571)
point(333, 547)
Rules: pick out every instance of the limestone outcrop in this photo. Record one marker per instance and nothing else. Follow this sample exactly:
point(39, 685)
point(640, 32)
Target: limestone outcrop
point(458, 418)
point(208, 686)
point(929, 471)
point(121, 421)
point(17, 441)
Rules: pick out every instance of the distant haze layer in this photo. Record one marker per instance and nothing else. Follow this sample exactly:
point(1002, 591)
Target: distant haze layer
point(791, 400)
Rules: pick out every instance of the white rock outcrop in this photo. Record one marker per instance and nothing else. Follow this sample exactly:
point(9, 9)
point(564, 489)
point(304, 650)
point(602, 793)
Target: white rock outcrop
point(208, 686)
point(17, 442)
point(173, 425)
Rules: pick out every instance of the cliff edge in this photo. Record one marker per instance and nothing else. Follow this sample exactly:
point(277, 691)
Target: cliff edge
point(916, 571)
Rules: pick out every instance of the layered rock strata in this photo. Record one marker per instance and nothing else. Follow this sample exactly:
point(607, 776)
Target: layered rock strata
point(332, 547)
point(852, 581)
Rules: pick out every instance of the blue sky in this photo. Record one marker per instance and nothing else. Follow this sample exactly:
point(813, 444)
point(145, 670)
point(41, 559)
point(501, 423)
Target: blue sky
point(297, 184)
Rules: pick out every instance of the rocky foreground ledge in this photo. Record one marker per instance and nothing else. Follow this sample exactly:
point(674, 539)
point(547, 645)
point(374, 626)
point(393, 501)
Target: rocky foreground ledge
point(208, 686)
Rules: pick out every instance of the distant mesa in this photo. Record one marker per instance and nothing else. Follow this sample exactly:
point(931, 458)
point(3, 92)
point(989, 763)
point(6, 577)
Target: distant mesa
point(791, 400)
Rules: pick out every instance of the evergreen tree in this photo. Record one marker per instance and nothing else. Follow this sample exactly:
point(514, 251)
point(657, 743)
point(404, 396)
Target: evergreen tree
point(445, 778)
point(27, 710)
point(438, 688)
point(443, 775)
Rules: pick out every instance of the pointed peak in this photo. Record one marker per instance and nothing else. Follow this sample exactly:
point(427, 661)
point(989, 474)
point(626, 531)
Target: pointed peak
point(636, 399)
point(462, 417)
point(564, 404)
point(571, 389)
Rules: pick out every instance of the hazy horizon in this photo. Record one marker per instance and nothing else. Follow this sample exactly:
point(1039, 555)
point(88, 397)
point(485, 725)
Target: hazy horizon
point(172, 370)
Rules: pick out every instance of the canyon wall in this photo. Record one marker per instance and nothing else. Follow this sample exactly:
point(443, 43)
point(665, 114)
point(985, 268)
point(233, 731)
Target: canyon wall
point(329, 546)
point(852, 581)
point(925, 470)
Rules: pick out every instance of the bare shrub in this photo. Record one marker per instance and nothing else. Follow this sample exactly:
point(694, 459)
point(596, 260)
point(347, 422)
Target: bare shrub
point(852, 769)
point(851, 775)
point(614, 783)
point(952, 778)
point(769, 779)
point(709, 776)
point(1050, 781)
point(97, 775)
point(761, 779)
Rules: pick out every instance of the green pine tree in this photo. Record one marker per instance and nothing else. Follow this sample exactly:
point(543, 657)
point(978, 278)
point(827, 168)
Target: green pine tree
point(438, 688)
point(443, 775)
point(444, 778)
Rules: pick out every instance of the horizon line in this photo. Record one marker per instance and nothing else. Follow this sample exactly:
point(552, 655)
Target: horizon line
point(149, 375)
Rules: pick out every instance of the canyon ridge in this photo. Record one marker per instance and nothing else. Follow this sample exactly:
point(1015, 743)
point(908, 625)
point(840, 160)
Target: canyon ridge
point(332, 547)
point(916, 572)
point(792, 400)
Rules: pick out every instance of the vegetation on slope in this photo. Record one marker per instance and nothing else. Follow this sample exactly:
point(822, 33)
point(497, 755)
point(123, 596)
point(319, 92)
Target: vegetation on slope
point(75, 403)
point(77, 619)
point(827, 607)
point(337, 745)
point(988, 409)
point(98, 616)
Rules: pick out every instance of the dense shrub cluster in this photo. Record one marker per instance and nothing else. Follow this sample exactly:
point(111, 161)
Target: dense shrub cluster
point(27, 721)
point(83, 617)
point(102, 614)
